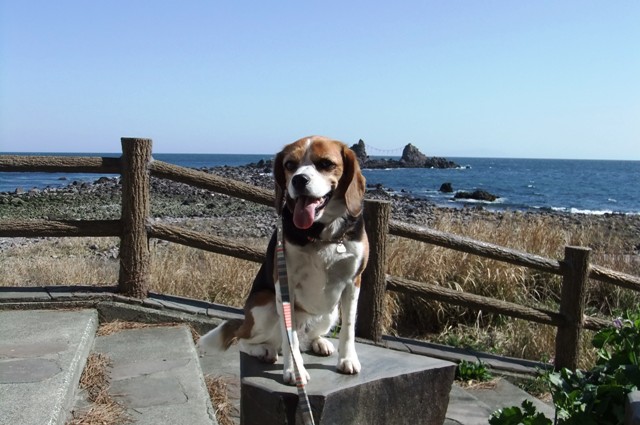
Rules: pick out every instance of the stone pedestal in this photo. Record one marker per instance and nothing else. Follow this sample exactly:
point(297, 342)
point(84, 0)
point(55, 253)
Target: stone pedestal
point(392, 388)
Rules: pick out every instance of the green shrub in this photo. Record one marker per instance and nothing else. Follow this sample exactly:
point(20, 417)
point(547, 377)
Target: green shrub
point(516, 416)
point(595, 397)
point(473, 371)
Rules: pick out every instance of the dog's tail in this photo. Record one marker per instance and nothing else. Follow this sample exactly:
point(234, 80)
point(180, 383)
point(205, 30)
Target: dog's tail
point(220, 338)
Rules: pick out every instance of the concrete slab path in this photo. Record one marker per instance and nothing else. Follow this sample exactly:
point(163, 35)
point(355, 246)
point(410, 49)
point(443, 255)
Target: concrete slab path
point(156, 372)
point(42, 355)
point(156, 375)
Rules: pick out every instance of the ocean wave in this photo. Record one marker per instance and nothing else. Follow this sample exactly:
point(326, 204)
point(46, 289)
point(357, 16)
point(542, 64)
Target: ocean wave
point(500, 200)
point(380, 169)
point(572, 210)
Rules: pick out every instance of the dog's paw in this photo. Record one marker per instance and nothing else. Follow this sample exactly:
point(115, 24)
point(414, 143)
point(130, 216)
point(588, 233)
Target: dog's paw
point(322, 346)
point(349, 365)
point(264, 352)
point(289, 376)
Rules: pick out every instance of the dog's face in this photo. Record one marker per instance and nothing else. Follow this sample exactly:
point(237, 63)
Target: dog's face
point(319, 179)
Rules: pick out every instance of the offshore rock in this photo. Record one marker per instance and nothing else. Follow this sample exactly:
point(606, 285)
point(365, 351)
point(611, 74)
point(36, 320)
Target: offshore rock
point(361, 151)
point(411, 158)
point(446, 188)
point(478, 195)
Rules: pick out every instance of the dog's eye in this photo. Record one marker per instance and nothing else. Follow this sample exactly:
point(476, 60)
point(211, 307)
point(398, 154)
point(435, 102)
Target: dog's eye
point(325, 164)
point(290, 165)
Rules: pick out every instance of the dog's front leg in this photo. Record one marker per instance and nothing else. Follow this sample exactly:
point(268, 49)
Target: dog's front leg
point(293, 352)
point(347, 357)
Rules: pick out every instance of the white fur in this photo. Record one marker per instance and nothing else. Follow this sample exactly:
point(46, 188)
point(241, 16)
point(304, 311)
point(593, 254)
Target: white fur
point(317, 187)
point(320, 278)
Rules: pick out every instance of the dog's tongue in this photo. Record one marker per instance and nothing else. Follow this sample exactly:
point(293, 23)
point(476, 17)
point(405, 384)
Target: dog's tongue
point(305, 211)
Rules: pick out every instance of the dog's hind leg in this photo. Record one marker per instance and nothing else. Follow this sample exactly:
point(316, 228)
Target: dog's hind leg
point(220, 338)
point(260, 334)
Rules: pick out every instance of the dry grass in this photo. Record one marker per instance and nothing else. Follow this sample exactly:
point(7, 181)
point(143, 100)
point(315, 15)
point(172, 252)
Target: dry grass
point(218, 388)
point(180, 270)
point(115, 326)
point(61, 261)
point(185, 271)
point(104, 409)
point(479, 385)
point(419, 318)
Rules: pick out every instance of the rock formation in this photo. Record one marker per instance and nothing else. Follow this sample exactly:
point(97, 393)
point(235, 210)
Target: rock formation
point(361, 151)
point(478, 195)
point(411, 158)
point(446, 188)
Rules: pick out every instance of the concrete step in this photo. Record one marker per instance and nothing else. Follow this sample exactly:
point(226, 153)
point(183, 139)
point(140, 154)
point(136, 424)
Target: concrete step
point(466, 406)
point(226, 367)
point(156, 376)
point(416, 386)
point(42, 355)
point(465, 409)
point(474, 405)
point(505, 394)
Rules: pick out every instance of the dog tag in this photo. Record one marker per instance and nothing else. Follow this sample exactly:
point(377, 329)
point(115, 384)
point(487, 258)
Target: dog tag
point(341, 248)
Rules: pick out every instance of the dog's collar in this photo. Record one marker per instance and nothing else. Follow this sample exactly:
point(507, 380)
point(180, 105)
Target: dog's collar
point(340, 248)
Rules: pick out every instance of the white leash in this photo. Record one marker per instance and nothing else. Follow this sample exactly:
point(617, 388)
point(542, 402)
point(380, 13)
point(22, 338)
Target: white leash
point(303, 398)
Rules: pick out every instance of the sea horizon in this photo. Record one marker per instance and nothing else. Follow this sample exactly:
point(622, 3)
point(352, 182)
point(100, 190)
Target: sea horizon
point(587, 186)
point(453, 158)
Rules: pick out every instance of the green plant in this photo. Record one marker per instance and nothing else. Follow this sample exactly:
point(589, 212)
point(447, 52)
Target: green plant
point(595, 397)
point(514, 415)
point(619, 345)
point(598, 396)
point(473, 371)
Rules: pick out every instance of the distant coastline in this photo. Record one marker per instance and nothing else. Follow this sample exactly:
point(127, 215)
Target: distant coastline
point(100, 199)
point(568, 186)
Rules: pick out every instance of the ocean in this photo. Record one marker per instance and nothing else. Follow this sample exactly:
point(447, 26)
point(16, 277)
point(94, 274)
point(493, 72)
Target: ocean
point(573, 186)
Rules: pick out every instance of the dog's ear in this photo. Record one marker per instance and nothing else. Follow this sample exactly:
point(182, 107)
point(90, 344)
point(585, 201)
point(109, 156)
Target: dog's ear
point(280, 181)
point(354, 181)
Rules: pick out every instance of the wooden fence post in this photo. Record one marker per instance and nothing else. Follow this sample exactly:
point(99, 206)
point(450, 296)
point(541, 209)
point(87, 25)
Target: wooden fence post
point(372, 291)
point(572, 303)
point(134, 245)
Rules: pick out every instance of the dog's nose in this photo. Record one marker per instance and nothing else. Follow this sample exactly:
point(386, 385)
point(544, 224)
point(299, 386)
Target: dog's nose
point(299, 182)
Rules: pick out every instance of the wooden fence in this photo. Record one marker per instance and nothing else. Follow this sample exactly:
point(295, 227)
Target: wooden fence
point(134, 230)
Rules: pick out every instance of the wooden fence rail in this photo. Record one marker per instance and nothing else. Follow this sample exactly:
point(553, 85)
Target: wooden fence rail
point(59, 228)
point(134, 230)
point(205, 242)
point(212, 182)
point(471, 246)
point(67, 164)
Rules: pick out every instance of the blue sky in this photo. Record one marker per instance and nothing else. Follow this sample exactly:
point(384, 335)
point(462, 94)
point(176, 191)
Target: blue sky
point(534, 79)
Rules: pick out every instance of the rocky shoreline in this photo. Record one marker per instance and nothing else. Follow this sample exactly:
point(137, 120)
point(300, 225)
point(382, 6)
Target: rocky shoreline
point(230, 217)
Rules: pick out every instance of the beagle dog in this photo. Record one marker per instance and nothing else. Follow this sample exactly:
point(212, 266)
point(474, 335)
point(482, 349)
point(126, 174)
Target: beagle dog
point(319, 194)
